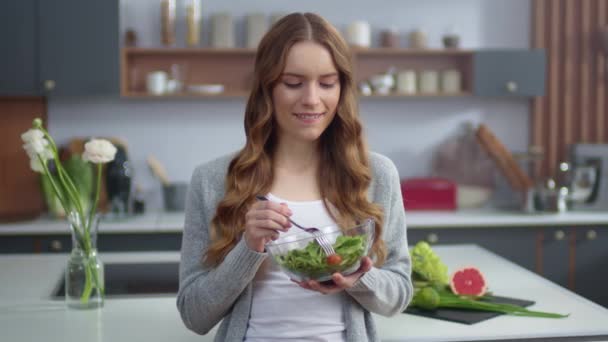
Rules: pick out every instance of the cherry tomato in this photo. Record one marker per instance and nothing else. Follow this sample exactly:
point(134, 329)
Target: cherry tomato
point(334, 259)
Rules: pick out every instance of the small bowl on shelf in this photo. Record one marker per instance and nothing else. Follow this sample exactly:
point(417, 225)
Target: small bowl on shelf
point(206, 88)
point(300, 256)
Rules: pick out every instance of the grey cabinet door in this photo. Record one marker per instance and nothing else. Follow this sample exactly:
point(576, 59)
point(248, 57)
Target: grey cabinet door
point(556, 255)
point(78, 41)
point(515, 244)
point(592, 263)
point(106, 242)
point(509, 73)
point(18, 38)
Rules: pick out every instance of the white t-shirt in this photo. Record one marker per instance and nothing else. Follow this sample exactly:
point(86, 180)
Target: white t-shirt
point(283, 311)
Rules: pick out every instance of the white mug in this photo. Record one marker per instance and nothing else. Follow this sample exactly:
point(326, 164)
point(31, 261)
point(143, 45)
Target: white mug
point(156, 82)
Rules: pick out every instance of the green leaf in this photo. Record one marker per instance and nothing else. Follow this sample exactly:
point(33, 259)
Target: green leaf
point(311, 261)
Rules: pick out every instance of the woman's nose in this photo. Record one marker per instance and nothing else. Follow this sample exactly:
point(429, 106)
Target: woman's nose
point(310, 95)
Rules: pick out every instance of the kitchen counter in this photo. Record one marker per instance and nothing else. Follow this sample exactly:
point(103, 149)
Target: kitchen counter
point(28, 314)
point(164, 222)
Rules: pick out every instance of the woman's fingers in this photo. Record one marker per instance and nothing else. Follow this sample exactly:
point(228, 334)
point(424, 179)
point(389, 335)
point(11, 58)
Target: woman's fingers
point(270, 215)
point(280, 208)
point(263, 222)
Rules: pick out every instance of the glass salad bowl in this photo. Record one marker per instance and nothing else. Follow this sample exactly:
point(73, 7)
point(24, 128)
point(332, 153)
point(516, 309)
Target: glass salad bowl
point(301, 257)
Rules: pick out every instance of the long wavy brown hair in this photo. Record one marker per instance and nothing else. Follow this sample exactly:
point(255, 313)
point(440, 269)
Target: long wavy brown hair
point(344, 173)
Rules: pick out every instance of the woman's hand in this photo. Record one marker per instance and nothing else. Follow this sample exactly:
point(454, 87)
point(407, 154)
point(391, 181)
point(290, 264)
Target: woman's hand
point(263, 222)
point(340, 282)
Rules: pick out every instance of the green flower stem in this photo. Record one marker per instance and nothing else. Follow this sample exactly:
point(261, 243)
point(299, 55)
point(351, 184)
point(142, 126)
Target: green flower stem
point(53, 184)
point(86, 293)
point(71, 190)
point(453, 301)
point(64, 178)
point(96, 279)
point(94, 206)
point(91, 280)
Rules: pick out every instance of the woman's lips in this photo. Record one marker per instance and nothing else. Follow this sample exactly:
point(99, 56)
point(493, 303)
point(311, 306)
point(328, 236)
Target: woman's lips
point(309, 117)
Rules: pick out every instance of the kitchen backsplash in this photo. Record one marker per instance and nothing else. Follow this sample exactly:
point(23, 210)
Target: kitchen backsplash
point(185, 133)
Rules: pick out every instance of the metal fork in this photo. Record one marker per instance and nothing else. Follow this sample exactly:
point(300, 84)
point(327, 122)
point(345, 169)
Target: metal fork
point(321, 239)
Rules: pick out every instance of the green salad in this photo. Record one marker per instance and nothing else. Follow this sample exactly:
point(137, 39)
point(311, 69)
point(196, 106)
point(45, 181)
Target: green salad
point(312, 262)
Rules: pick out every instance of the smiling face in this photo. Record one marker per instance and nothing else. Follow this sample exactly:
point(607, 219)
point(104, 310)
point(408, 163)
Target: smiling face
point(307, 93)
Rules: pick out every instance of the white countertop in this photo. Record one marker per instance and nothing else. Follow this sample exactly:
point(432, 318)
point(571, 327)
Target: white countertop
point(165, 222)
point(27, 313)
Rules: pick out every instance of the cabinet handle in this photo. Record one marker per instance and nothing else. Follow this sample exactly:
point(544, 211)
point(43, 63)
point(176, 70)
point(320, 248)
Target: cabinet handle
point(560, 235)
point(511, 87)
point(432, 238)
point(591, 234)
point(56, 245)
point(49, 84)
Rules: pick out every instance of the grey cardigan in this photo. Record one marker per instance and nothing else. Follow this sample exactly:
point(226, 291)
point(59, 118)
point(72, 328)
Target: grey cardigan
point(209, 295)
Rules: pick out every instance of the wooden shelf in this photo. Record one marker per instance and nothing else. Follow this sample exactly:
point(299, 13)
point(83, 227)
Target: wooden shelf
point(234, 68)
point(131, 51)
point(411, 52)
point(419, 95)
point(248, 51)
point(145, 95)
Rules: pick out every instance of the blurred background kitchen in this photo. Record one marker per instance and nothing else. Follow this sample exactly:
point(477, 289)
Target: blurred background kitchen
point(494, 112)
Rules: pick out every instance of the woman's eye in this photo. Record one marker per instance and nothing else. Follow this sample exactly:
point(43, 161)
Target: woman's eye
point(292, 85)
point(328, 85)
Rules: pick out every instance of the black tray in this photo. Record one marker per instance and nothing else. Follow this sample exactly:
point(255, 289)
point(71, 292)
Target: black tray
point(468, 316)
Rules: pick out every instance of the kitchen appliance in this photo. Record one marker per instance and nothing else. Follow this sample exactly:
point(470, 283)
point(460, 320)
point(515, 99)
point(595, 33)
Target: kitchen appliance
point(118, 182)
point(429, 194)
point(589, 180)
point(174, 193)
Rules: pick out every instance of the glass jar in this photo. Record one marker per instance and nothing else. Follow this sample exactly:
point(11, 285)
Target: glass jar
point(84, 275)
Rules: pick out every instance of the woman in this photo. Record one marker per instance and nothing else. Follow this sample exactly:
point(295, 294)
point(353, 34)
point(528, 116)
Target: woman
point(306, 152)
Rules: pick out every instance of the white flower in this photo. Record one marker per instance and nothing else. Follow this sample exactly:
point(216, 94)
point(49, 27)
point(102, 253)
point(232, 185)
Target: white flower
point(36, 165)
point(34, 140)
point(32, 134)
point(37, 147)
point(99, 151)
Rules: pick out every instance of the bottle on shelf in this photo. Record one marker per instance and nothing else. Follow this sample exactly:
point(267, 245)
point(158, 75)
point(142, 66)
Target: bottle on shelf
point(167, 22)
point(193, 22)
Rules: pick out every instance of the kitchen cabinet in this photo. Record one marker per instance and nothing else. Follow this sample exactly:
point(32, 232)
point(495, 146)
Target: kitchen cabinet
point(107, 242)
point(78, 44)
point(571, 256)
point(509, 73)
point(60, 48)
point(18, 35)
point(575, 257)
point(20, 191)
point(591, 255)
point(554, 257)
point(516, 244)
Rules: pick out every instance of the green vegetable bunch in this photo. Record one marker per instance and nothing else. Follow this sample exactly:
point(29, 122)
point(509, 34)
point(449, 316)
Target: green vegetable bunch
point(427, 267)
point(431, 290)
point(312, 262)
